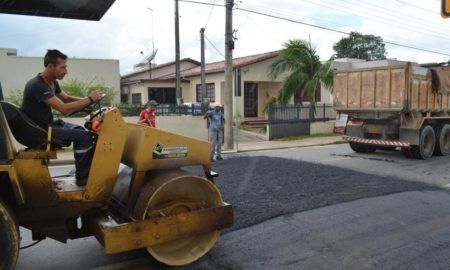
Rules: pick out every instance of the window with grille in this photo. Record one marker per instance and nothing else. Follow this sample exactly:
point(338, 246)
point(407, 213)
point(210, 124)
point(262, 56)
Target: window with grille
point(210, 92)
point(136, 99)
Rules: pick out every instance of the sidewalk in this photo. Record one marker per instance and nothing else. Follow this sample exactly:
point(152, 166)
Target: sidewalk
point(65, 158)
point(270, 145)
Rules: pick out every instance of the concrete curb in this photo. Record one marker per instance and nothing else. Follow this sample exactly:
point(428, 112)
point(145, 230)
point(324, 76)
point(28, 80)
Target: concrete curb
point(262, 137)
point(284, 147)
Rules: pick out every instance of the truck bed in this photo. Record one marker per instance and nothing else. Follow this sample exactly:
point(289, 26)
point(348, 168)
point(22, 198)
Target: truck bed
point(398, 87)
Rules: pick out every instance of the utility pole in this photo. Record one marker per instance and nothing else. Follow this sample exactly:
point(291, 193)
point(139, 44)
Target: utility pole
point(202, 67)
point(177, 55)
point(229, 46)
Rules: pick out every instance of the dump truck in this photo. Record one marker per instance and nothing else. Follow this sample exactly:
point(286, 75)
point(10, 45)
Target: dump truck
point(137, 195)
point(393, 104)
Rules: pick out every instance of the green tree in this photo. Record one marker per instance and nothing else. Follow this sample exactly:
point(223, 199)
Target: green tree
point(357, 45)
point(299, 60)
point(80, 88)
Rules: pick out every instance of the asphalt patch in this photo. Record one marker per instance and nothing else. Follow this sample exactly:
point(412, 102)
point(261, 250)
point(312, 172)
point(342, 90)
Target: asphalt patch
point(260, 188)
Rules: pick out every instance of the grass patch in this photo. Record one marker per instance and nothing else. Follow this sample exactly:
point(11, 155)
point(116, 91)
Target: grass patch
point(245, 127)
point(301, 137)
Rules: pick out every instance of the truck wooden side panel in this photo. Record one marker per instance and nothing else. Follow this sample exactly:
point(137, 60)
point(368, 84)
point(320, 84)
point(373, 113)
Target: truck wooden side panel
point(402, 88)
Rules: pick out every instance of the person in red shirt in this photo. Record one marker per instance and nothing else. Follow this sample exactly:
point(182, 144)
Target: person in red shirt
point(147, 116)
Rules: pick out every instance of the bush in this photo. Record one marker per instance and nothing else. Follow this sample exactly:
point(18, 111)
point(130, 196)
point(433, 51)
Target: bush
point(79, 88)
point(269, 101)
point(15, 97)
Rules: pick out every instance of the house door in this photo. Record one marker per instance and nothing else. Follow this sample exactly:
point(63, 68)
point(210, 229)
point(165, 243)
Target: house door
point(250, 99)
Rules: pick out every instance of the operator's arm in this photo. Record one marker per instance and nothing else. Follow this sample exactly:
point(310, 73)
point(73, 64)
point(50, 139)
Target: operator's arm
point(71, 107)
point(64, 97)
point(206, 115)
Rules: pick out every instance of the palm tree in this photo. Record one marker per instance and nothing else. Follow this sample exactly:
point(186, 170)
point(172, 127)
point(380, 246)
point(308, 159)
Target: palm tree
point(300, 60)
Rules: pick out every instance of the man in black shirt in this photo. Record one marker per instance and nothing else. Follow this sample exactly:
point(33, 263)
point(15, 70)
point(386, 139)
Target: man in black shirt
point(42, 93)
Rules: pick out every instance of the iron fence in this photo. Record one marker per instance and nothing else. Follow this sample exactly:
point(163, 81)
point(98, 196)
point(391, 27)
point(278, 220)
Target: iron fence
point(288, 113)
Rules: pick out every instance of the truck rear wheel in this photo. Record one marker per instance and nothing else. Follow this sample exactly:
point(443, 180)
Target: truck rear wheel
point(9, 238)
point(442, 140)
point(172, 192)
point(427, 140)
point(362, 148)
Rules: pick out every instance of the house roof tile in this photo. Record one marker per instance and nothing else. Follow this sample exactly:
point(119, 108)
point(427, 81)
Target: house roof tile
point(146, 69)
point(220, 66)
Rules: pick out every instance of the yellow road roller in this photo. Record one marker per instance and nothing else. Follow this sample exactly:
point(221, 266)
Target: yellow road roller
point(137, 194)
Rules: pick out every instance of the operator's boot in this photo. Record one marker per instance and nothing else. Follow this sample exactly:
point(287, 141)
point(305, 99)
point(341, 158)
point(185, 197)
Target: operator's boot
point(81, 181)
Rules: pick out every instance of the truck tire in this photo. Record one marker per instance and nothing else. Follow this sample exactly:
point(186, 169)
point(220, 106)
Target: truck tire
point(442, 147)
point(427, 140)
point(9, 238)
point(362, 148)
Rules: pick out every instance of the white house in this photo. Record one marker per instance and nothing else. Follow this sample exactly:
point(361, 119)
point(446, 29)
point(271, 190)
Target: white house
point(252, 84)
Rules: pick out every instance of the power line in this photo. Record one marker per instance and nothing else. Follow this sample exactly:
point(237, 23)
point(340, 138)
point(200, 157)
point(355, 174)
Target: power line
point(357, 13)
point(418, 7)
point(202, 3)
point(209, 16)
point(212, 44)
point(337, 31)
point(318, 26)
point(396, 17)
point(387, 21)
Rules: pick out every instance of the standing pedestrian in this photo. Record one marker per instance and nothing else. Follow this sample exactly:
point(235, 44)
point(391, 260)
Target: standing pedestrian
point(147, 116)
point(216, 124)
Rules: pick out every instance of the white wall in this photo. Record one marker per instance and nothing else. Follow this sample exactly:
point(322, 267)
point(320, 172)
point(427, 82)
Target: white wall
point(187, 125)
point(15, 71)
point(322, 127)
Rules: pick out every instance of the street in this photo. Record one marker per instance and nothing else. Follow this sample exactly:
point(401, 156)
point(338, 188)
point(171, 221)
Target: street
point(322, 207)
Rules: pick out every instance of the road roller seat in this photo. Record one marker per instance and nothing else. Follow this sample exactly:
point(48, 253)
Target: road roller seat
point(25, 131)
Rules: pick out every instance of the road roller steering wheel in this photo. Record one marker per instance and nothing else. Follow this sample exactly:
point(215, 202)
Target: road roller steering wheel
point(91, 107)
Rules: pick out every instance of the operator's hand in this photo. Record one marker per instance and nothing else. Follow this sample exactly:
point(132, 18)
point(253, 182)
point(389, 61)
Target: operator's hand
point(96, 95)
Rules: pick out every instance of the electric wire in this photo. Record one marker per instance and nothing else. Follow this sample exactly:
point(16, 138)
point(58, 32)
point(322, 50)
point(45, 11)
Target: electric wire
point(418, 7)
point(395, 16)
point(423, 42)
point(212, 44)
point(320, 27)
point(391, 22)
point(209, 16)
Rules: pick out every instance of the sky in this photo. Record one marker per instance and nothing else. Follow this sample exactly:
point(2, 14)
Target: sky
point(132, 26)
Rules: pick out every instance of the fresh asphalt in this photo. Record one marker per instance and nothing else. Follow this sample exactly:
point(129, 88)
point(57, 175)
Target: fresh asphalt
point(306, 208)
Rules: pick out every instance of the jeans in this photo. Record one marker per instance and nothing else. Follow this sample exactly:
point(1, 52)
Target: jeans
point(216, 137)
point(82, 145)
